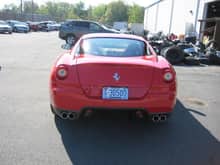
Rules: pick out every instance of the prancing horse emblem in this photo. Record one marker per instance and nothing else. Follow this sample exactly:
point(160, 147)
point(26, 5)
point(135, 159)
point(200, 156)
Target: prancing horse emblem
point(116, 76)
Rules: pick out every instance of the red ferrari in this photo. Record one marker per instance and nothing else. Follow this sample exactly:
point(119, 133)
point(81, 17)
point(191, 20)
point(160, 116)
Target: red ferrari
point(112, 71)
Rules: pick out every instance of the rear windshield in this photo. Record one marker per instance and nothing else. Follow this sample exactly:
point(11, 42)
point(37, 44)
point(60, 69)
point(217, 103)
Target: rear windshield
point(114, 47)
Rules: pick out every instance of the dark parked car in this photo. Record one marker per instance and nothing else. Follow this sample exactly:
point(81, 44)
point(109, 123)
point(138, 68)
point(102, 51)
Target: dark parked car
point(34, 26)
point(72, 30)
point(5, 28)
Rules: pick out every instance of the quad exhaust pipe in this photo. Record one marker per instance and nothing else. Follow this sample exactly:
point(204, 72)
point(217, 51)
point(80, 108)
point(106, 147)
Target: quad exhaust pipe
point(64, 115)
point(159, 118)
point(69, 115)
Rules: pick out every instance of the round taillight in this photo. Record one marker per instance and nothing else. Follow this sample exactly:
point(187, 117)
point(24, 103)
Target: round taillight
point(62, 72)
point(168, 76)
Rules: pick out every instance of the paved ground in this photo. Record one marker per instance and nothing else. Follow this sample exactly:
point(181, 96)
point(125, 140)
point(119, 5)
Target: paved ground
point(29, 133)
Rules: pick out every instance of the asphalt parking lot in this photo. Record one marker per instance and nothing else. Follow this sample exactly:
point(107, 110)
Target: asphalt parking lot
point(30, 134)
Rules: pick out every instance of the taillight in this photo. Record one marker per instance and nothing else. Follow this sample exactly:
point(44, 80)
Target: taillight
point(168, 76)
point(62, 72)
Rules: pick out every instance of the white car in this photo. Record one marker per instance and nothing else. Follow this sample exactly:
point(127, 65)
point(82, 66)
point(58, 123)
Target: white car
point(5, 28)
point(52, 25)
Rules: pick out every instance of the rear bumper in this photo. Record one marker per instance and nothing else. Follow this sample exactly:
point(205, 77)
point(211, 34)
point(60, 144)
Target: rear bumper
point(73, 99)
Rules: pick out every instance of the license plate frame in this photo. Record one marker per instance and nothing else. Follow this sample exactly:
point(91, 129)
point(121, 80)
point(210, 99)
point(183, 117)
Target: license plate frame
point(115, 93)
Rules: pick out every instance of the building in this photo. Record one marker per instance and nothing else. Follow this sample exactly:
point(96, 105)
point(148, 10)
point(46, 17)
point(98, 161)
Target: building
point(181, 16)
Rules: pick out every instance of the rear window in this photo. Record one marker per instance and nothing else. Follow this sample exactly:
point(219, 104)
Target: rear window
point(114, 47)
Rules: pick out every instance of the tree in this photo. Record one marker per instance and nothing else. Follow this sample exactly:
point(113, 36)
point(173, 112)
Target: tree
point(116, 11)
point(136, 14)
point(29, 7)
point(98, 12)
point(106, 13)
point(80, 10)
point(89, 13)
point(52, 8)
point(11, 7)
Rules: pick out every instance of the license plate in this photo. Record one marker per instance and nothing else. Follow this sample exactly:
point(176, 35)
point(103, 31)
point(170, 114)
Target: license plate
point(115, 93)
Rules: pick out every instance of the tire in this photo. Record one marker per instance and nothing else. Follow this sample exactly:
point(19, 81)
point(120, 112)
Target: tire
point(162, 51)
point(214, 59)
point(70, 39)
point(174, 55)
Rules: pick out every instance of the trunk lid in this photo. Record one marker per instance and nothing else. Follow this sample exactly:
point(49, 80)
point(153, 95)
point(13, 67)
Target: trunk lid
point(134, 73)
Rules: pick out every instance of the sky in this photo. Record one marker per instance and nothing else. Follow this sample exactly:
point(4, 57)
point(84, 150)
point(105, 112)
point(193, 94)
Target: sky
point(143, 3)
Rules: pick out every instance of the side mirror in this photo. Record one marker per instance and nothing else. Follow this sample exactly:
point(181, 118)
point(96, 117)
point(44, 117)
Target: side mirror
point(66, 46)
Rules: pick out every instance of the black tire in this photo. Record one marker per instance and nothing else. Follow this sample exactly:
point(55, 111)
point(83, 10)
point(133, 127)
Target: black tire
point(174, 55)
point(162, 51)
point(214, 59)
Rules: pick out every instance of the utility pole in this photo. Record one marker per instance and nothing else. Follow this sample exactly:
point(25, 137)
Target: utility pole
point(21, 7)
point(171, 16)
point(32, 10)
point(196, 16)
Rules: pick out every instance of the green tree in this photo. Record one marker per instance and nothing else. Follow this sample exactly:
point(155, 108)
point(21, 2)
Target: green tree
point(65, 11)
point(136, 14)
point(80, 10)
point(11, 7)
point(116, 11)
point(89, 13)
point(98, 12)
point(29, 7)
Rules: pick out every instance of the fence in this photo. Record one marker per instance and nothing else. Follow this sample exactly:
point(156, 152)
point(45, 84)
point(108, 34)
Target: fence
point(5, 15)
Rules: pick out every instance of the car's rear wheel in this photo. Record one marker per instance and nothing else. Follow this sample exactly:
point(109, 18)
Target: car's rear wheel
point(70, 39)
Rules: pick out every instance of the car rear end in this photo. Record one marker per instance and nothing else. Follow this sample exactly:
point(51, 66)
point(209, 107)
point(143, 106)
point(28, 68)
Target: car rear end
point(143, 82)
point(21, 27)
point(5, 28)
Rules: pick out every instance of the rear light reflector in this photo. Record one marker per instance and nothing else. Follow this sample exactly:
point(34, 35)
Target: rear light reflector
point(62, 72)
point(168, 76)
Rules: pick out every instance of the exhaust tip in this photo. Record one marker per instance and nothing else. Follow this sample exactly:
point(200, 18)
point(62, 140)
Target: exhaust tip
point(73, 116)
point(64, 115)
point(155, 118)
point(159, 118)
point(163, 118)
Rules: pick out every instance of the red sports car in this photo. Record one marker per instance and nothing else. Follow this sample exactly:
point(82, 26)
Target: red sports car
point(112, 71)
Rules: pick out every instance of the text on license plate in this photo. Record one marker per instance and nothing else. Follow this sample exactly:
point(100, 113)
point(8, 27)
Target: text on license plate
point(115, 93)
